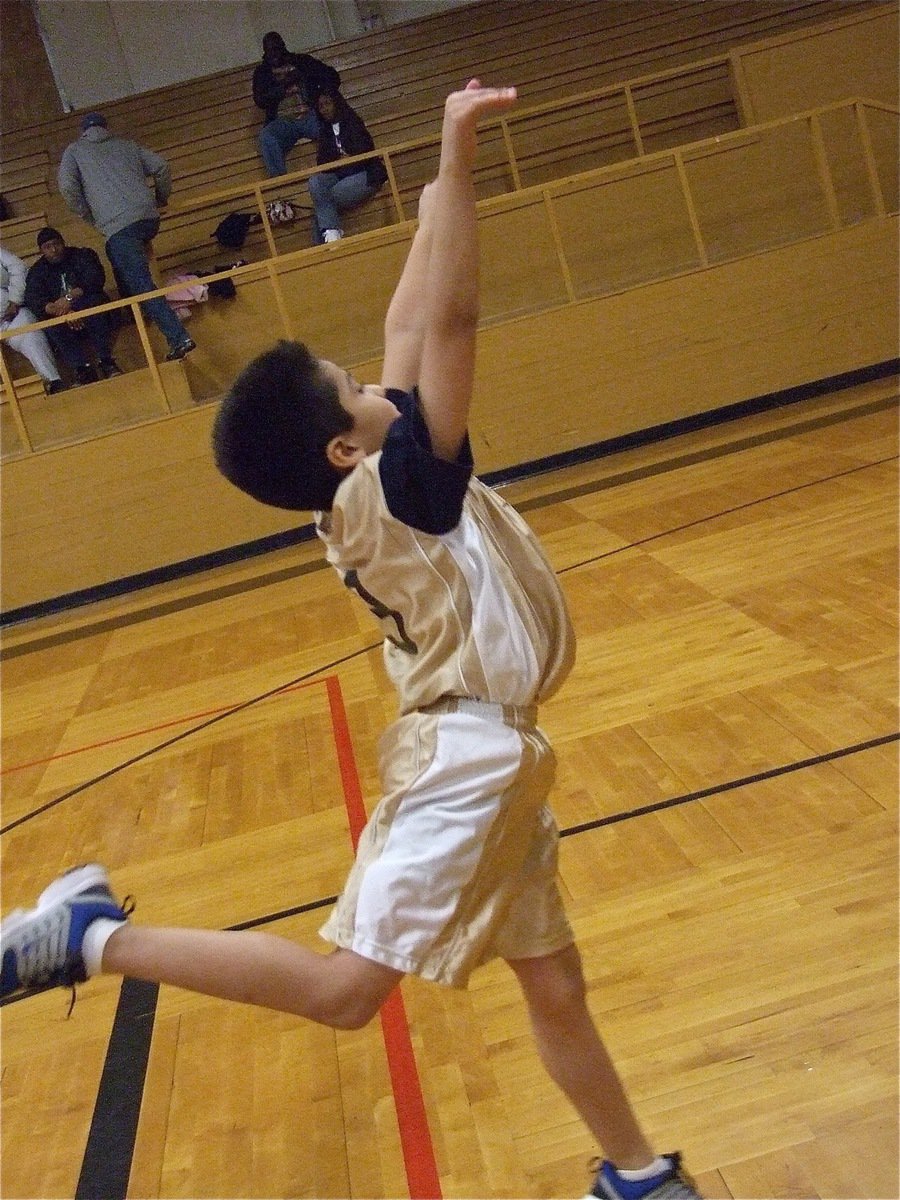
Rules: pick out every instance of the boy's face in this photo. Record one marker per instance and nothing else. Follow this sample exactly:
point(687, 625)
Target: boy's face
point(373, 414)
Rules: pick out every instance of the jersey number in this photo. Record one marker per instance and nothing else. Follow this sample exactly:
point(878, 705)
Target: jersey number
point(401, 638)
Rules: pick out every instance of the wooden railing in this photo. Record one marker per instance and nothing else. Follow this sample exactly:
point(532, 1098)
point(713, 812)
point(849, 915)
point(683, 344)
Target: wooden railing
point(655, 216)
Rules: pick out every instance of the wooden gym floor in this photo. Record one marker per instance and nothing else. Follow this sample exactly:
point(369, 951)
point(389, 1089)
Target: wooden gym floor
point(727, 794)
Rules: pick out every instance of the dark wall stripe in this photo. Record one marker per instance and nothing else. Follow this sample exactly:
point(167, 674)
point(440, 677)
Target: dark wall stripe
point(569, 458)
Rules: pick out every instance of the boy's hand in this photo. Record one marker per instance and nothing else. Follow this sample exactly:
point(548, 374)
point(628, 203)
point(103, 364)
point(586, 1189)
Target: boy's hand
point(461, 113)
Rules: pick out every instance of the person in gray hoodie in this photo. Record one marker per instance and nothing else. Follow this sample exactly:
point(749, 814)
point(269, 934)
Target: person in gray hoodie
point(103, 179)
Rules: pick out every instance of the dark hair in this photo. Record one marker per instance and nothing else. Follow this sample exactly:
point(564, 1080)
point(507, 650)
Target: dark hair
point(271, 430)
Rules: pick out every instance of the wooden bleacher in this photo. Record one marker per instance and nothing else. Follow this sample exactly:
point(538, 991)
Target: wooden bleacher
point(207, 127)
point(19, 234)
point(397, 78)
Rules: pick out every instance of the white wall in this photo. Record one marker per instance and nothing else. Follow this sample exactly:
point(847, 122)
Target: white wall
point(105, 49)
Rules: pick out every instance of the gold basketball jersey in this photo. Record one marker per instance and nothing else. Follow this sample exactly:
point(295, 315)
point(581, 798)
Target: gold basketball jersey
point(476, 611)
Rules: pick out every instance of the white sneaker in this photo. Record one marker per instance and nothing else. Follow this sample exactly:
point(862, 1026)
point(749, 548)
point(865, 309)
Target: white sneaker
point(333, 235)
point(43, 945)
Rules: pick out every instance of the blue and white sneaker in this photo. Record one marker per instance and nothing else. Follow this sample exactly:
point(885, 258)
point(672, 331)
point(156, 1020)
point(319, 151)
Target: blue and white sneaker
point(41, 946)
point(672, 1183)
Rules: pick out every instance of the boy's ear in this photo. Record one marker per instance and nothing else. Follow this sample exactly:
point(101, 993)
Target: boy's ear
point(344, 452)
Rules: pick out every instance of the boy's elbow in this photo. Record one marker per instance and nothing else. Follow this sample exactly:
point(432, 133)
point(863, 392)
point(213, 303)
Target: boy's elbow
point(456, 322)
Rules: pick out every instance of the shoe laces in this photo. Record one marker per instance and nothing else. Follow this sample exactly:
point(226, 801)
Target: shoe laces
point(127, 906)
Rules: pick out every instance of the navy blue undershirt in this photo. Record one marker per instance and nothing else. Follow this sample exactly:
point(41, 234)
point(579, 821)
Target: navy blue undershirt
point(421, 490)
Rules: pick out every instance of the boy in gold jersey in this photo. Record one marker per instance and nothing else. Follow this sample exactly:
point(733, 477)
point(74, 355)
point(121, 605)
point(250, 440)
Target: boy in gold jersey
point(457, 864)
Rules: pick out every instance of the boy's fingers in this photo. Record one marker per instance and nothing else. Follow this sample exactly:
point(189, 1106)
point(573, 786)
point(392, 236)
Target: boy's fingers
point(477, 97)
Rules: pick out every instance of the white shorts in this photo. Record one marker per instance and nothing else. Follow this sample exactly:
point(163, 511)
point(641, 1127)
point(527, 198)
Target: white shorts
point(458, 862)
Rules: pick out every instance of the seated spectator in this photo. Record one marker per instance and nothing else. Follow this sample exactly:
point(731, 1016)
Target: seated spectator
point(33, 345)
point(342, 135)
point(286, 87)
point(67, 279)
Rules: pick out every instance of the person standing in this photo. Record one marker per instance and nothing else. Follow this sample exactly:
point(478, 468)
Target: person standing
point(33, 345)
point(286, 87)
point(63, 281)
point(341, 188)
point(103, 179)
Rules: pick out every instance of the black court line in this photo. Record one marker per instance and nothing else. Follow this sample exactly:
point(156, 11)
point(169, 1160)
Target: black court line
point(720, 788)
point(109, 1153)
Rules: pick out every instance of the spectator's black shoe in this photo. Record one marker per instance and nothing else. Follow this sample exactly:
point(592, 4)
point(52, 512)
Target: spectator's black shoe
point(85, 374)
point(109, 368)
point(52, 386)
point(181, 350)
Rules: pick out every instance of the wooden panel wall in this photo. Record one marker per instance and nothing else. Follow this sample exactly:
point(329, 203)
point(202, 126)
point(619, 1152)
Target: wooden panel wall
point(792, 74)
point(85, 515)
point(28, 94)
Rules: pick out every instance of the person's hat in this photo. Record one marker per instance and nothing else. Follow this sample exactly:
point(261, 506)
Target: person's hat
point(47, 235)
point(92, 118)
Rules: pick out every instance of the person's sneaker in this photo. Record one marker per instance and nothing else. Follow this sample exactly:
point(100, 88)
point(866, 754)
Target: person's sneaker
point(109, 368)
point(181, 350)
point(85, 374)
point(52, 386)
point(333, 235)
point(671, 1183)
point(42, 946)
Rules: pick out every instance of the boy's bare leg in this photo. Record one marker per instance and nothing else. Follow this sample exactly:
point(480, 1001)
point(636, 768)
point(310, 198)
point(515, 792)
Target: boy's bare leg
point(575, 1057)
point(341, 989)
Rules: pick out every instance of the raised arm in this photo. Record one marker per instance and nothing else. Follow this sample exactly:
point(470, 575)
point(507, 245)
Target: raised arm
point(404, 325)
point(447, 371)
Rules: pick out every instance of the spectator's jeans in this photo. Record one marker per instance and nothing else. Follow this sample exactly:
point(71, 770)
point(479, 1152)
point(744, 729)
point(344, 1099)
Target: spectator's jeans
point(33, 345)
point(332, 195)
point(72, 345)
point(283, 134)
point(127, 253)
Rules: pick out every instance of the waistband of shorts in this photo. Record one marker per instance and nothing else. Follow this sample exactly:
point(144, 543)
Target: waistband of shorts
point(517, 716)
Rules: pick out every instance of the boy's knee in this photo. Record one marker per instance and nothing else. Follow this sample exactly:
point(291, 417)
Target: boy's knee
point(355, 991)
point(318, 186)
point(355, 1012)
point(554, 986)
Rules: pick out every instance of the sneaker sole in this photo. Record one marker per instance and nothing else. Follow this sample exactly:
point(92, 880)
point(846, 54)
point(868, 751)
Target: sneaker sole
point(79, 879)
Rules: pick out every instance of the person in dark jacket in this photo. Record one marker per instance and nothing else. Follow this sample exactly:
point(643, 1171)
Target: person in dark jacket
point(67, 279)
point(286, 87)
point(340, 188)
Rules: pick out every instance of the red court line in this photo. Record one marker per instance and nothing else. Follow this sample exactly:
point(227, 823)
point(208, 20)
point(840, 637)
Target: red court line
point(415, 1136)
point(124, 737)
